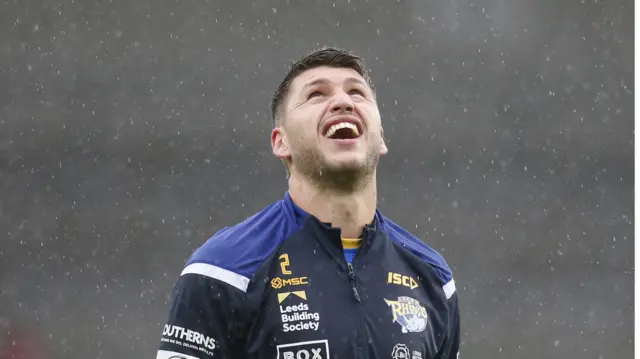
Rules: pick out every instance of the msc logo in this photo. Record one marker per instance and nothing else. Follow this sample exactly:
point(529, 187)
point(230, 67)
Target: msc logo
point(317, 349)
point(278, 283)
point(404, 280)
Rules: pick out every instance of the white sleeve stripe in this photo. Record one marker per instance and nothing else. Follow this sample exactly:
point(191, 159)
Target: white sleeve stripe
point(166, 354)
point(221, 274)
point(449, 288)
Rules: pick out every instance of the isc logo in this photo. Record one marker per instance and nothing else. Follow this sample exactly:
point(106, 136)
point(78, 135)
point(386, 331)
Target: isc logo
point(317, 349)
point(404, 280)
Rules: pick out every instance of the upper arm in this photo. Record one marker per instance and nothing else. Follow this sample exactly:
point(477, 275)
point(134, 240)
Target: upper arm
point(451, 349)
point(205, 318)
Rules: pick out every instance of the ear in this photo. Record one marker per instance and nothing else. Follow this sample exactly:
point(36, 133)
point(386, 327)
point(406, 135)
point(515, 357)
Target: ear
point(279, 144)
point(383, 146)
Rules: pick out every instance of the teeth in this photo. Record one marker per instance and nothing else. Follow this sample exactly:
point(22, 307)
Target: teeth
point(332, 130)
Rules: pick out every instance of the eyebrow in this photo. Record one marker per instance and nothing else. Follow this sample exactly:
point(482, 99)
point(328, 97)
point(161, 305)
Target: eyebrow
point(323, 81)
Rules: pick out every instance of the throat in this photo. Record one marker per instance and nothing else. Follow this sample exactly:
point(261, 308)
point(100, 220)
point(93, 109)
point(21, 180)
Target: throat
point(349, 211)
point(351, 215)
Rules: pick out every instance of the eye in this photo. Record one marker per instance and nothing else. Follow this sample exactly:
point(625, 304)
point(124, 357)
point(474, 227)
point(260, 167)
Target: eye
point(356, 92)
point(314, 94)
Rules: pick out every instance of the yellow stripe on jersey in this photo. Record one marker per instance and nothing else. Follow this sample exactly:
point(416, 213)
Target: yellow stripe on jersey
point(350, 243)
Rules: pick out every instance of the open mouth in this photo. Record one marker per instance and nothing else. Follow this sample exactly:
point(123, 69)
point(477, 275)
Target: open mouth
point(342, 131)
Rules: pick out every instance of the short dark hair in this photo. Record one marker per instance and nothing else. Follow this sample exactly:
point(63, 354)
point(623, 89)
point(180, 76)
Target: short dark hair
point(327, 56)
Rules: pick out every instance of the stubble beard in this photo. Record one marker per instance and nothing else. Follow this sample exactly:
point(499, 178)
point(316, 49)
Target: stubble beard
point(339, 179)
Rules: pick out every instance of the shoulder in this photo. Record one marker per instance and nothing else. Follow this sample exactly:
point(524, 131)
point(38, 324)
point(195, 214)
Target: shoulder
point(234, 253)
point(421, 250)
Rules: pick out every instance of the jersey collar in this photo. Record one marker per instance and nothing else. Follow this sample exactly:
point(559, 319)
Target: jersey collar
point(300, 215)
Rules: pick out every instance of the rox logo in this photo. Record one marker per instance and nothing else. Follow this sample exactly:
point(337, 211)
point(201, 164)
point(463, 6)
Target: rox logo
point(403, 280)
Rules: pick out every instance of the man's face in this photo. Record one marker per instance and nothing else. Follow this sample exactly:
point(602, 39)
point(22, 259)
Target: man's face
point(330, 123)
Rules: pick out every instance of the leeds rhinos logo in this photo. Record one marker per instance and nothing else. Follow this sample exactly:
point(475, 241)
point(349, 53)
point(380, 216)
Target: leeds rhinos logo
point(409, 314)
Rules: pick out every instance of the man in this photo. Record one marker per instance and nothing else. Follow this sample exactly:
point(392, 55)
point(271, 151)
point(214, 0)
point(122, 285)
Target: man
point(320, 273)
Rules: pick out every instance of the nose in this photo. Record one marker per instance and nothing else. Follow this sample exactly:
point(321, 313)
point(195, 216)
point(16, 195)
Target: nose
point(342, 102)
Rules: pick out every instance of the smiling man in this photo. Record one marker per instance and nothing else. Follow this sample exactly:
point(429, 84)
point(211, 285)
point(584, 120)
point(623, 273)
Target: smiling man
point(321, 273)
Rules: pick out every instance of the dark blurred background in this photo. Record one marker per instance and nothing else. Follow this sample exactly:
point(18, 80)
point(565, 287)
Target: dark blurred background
point(130, 131)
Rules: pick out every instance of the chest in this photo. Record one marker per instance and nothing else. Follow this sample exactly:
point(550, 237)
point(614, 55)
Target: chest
point(326, 309)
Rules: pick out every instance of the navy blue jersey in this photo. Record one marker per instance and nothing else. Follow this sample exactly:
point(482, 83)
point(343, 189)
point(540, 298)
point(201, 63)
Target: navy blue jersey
point(278, 285)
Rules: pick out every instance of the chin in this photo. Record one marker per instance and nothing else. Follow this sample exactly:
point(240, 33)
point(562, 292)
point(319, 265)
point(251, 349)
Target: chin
point(346, 164)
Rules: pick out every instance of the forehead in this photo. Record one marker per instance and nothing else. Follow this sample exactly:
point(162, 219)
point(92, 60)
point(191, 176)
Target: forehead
point(334, 75)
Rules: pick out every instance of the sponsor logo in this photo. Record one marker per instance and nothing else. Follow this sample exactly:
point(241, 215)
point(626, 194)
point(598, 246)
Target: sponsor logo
point(278, 283)
point(187, 338)
point(298, 318)
point(400, 351)
point(408, 312)
point(317, 349)
point(403, 280)
point(298, 293)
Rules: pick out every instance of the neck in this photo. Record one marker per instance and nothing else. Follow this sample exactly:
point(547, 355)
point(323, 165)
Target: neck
point(349, 211)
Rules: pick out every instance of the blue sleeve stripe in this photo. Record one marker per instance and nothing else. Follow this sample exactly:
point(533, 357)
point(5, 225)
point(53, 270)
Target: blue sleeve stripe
point(221, 274)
